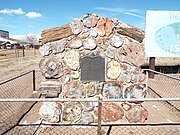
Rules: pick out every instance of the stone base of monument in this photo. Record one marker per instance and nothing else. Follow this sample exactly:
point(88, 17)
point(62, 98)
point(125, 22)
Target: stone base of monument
point(50, 88)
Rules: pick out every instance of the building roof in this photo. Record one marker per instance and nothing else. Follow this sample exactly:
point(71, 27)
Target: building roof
point(7, 40)
point(4, 31)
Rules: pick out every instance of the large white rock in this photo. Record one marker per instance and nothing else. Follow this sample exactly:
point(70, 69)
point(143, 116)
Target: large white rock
point(50, 112)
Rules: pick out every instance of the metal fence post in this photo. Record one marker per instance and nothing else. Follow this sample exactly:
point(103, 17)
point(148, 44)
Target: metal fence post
point(23, 51)
point(34, 80)
point(99, 115)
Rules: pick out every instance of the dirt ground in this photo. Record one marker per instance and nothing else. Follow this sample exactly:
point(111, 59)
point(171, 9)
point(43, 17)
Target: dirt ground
point(16, 66)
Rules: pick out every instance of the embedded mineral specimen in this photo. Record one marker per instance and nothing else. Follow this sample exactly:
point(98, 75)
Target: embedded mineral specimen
point(90, 89)
point(112, 90)
point(88, 106)
point(75, 74)
point(90, 43)
point(113, 69)
point(76, 26)
point(72, 59)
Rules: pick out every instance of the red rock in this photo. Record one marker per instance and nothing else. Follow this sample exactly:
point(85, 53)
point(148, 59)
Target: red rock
point(104, 27)
point(110, 112)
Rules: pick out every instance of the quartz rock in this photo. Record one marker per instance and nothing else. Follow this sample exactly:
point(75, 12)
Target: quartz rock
point(87, 20)
point(135, 91)
point(90, 43)
point(50, 112)
point(72, 59)
point(87, 118)
point(95, 20)
point(76, 26)
point(112, 90)
point(76, 43)
point(46, 49)
point(113, 69)
point(116, 41)
point(93, 32)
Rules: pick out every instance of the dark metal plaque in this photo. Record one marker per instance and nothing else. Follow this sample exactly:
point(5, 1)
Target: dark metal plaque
point(92, 68)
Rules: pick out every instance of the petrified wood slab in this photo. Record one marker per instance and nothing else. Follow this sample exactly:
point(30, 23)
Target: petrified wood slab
point(136, 114)
point(113, 69)
point(104, 27)
point(110, 112)
point(76, 26)
point(130, 31)
point(73, 90)
point(50, 112)
point(72, 58)
point(112, 90)
point(56, 33)
point(72, 112)
point(51, 67)
point(135, 91)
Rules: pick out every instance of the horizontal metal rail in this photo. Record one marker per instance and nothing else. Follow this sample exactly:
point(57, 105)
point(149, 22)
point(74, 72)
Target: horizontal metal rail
point(161, 74)
point(85, 100)
point(95, 124)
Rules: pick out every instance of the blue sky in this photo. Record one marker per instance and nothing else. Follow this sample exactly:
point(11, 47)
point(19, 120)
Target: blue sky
point(22, 17)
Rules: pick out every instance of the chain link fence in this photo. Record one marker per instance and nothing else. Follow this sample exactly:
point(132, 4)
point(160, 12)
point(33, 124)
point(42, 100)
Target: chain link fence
point(20, 86)
point(19, 115)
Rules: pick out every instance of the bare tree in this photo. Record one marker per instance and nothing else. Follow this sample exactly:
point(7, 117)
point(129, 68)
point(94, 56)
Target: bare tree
point(31, 38)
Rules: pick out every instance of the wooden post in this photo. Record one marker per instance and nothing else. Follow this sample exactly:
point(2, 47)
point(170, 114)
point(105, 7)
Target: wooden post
point(23, 51)
point(151, 66)
point(34, 80)
point(99, 115)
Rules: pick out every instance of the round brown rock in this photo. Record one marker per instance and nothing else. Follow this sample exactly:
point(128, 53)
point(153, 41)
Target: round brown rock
point(110, 112)
point(136, 114)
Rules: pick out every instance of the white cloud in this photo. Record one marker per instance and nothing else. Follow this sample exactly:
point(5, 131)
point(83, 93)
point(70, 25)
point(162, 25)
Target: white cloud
point(33, 15)
point(132, 12)
point(7, 25)
point(18, 11)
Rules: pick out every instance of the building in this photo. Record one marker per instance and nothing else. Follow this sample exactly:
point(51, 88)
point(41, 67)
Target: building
point(4, 34)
